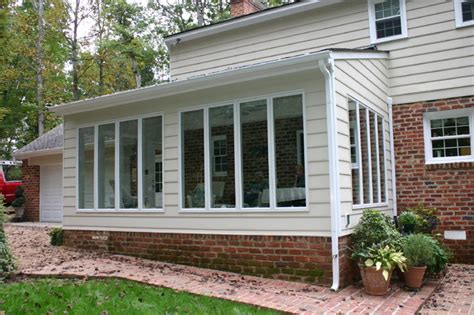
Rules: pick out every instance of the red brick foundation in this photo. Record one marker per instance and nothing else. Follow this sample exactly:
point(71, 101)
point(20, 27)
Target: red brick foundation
point(295, 258)
point(447, 187)
point(31, 183)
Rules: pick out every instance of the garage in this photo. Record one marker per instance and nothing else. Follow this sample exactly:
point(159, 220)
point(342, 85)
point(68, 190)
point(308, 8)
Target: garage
point(51, 203)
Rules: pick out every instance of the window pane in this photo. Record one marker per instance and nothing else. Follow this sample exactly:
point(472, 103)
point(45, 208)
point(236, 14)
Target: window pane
point(389, 27)
point(364, 145)
point(192, 148)
point(128, 164)
point(467, 11)
point(373, 156)
point(382, 159)
point(221, 121)
point(152, 163)
point(106, 166)
point(289, 139)
point(254, 142)
point(354, 138)
point(86, 168)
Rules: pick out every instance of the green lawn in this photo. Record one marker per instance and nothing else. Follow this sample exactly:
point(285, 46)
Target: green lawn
point(51, 296)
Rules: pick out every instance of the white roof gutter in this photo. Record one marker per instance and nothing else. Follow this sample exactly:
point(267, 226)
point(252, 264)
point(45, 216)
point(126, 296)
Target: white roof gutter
point(327, 68)
point(248, 20)
point(30, 154)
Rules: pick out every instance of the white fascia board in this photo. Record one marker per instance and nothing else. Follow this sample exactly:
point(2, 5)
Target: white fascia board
point(361, 54)
point(249, 20)
point(264, 70)
point(30, 154)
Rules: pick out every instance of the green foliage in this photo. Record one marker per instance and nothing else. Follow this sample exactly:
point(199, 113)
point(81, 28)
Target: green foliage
point(427, 219)
point(20, 198)
point(418, 249)
point(116, 297)
point(7, 262)
point(408, 217)
point(441, 255)
point(385, 258)
point(57, 236)
point(374, 229)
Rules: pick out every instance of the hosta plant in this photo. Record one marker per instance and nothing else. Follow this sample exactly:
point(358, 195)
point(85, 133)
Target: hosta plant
point(383, 258)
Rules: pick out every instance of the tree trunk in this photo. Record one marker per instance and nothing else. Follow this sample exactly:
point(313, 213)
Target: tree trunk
point(75, 53)
point(100, 51)
point(39, 68)
point(136, 72)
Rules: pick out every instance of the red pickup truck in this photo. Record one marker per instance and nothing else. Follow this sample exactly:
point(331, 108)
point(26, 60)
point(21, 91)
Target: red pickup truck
point(10, 179)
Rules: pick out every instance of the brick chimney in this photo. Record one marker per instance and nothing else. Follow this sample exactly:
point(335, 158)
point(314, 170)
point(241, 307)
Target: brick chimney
point(244, 7)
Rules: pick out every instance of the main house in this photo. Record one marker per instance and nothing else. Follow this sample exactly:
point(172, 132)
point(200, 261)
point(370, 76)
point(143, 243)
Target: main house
point(277, 129)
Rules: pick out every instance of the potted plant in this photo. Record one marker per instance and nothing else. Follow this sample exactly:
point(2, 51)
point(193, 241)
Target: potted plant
point(418, 250)
point(427, 220)
point(19, 202)
point(376, 266)
point(408, 221)
point(377, 249)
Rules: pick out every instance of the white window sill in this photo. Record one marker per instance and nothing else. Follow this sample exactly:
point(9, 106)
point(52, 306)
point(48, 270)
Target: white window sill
point(370, 206)
point(453, 161)
point(134, 211)
point(388, 39)
point(246, 210)
point(465, 24)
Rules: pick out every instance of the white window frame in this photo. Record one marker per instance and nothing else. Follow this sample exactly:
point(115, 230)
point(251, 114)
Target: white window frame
point(373, 26)
point(428, 117)
point(214, 139)
point(117, 122)
point(238, 160)
point(371, 204)
point(458, 14)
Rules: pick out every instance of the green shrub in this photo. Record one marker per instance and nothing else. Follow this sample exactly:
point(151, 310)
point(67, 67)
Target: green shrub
point(20, 198)
point(374, 229)
point(418, 249)
point(408, 217)
point(57, 236)
point(427, 218)
point(7, 262)
point(441, 255)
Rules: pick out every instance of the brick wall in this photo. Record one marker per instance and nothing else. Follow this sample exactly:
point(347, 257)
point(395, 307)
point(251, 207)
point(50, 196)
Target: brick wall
point(31, 183)
point(296, 258)
point(448, 187)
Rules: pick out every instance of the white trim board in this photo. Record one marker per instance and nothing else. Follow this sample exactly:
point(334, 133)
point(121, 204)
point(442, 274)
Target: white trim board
point(252, 72)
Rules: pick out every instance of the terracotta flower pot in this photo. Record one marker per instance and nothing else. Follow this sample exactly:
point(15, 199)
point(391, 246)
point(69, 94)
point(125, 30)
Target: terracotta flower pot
point(373, 280)
point(414, 277)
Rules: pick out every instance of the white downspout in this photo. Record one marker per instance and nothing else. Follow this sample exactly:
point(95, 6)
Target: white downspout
point(392, 156)
point(327, 68)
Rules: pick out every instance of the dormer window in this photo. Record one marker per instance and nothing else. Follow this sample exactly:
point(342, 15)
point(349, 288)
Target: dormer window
point(464, 11)
point(387, 20)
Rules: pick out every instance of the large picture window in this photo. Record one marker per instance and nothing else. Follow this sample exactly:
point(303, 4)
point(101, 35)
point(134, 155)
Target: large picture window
point(249, 155)
point(367, 155)
point(120, 165)
point(449, 136)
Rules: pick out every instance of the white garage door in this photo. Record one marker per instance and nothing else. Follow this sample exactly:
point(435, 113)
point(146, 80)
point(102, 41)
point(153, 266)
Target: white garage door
point(51, 193)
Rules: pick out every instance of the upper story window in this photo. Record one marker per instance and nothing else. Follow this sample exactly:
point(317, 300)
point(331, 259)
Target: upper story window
point(449, 136)
point(464, 11)
point(387, 20)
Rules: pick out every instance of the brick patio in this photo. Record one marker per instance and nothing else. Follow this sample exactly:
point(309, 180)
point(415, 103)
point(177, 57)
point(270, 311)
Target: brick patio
point(37, 258)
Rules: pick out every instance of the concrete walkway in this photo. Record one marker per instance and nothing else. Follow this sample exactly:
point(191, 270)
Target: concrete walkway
point(37, 258)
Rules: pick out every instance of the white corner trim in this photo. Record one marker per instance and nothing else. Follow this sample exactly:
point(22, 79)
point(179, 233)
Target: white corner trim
point(458, 15)
point(327, 68)
point(373, 29)
point(392, 156)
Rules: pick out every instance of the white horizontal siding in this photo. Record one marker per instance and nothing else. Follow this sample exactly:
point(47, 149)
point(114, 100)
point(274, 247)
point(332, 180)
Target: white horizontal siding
point(434, 50)
point(315, 221)
point(367, 82)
